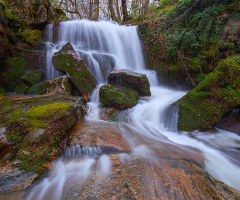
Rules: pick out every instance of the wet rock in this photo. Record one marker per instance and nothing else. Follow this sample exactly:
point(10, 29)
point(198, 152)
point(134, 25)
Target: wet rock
point(14, 179)
point(231, 121)
point(103, 134)
point(32, 77)
point(60, 85)
point(106, 63)
point(212, 98)
point(71, 63)
point(118, 97)
point(140, 178)
point(131, 80)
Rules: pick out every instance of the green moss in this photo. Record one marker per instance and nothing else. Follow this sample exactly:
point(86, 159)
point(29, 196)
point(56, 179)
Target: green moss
point(67, 85)
point(21, 89)
point(32, 76)
point(32, 35)
point(120, 98)
point(47, 110)
point(15, 70)
point(16, 115)
point(218, 94)
point(36, 123)
point(2, 92)
point(36, 89)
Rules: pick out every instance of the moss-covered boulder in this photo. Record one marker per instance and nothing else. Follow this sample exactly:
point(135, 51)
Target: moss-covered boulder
point(36, 127)
point(118, 97)
point(21, 89)
point(32, 77)
point(131, 80)
point(71, 63)
point(60, 85)
point(218, 94)
point(16, 67)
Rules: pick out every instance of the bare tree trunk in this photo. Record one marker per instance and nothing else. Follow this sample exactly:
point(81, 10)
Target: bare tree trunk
point(124, 10)
point(113, 16)
point(96, 10)
point(118, 12)
point(145, 7)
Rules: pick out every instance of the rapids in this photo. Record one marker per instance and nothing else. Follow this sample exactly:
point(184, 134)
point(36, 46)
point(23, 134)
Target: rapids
point(151, 119)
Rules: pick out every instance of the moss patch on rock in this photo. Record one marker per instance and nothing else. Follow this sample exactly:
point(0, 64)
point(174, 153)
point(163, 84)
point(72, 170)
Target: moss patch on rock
point(218, 94)
point(118, 97)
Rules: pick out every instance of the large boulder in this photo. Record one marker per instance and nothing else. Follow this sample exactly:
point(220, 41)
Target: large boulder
point(35, 127)
point(218, 94)
point(118, 97)
point(60, 85)
point(131, 80)
point(71, 63)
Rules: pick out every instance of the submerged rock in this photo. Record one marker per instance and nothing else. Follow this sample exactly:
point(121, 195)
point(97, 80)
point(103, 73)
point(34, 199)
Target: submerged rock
point(131, 80)
point(218, 94)
point(118, 97)
point(60, 85)
point(71, 63)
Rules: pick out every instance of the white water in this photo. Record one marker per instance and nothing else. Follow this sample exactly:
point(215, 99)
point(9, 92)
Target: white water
point(150, 119)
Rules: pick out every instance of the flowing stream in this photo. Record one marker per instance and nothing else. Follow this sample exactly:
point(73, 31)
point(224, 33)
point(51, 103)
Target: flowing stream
point(106, 46)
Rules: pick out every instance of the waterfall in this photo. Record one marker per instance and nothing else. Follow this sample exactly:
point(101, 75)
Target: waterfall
point(105, 46)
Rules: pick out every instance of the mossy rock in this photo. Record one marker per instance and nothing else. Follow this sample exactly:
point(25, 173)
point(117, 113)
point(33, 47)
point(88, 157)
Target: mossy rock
point(118, 97)
point(32, 77)
point(71, 63)
point(218, 94)
point(2, 92)
point(32, 35)
point(21, 89)
point(16, 68)
point(37, 126)
point(59, 85)
point(131, 80)
point(36, 89)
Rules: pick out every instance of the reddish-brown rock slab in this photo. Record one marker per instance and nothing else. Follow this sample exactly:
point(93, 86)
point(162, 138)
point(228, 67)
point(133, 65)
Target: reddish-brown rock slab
point(104, 134)
point(145, 179)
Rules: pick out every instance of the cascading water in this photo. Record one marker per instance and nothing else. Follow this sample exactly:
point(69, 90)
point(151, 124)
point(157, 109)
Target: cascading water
point(118, 47)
